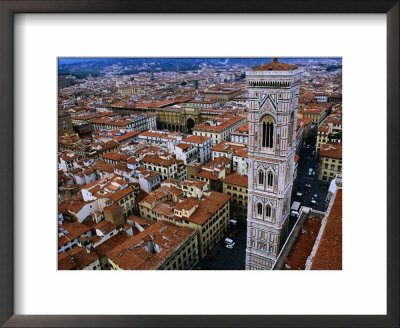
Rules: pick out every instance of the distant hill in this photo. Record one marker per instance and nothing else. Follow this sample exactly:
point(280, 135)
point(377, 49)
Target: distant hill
point(175, 64)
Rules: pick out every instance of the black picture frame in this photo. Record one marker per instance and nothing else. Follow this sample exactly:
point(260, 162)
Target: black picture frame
point(7, 11)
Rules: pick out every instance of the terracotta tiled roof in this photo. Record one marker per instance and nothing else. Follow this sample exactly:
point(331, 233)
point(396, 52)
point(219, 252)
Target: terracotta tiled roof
point(196, 139)
point(208, 207)
point(183, 146)
point(105, 226)
point(323, 128)
point(111, 243)
point(76, 258)
point(329, 252)
point(332, 150)
point(116, 196)
point(275, 65)
point(227, 123)
point(75, 229)
point(134, 254)
point(304, 244)
point(237, 179)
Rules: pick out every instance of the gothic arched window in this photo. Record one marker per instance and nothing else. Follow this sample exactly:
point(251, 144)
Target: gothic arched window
point(268, 132)
point(260, 177)
point(268, 211)
point(270, 179)
point(259, 209)
point(291, 128)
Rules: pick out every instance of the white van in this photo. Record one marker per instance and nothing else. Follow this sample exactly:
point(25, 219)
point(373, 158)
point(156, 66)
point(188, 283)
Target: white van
point(295, 209)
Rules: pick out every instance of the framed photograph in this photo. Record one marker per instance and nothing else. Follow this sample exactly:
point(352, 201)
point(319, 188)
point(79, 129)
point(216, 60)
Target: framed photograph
point(184, 55)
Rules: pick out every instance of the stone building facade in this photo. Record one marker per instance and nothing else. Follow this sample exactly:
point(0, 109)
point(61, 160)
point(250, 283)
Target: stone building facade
point(274, 91)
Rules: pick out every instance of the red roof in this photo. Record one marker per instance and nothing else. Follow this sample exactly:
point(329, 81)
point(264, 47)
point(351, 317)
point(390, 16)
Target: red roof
point(275, 65)
point(304, 244)
point(237, 179)
point(196, 139)
point(331, 150)
point(221, 127)
point(329, 252)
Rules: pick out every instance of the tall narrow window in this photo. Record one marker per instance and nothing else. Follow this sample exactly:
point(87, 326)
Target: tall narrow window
point(291, 123)
point(260, 177)
point(264, 134)
point(268, 211)
point(268, 134)
point(270, 179)
point(259, 209)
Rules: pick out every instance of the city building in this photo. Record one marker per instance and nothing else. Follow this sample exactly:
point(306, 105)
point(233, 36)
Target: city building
point(331, 161)
point(186, 152)
point(69, 234)
point(227, 149)
point(316, 112)
point(209, 216)
point(166, 165)
point(235, 185)
point(241, 134)
point(161, 246)
point(79, 258)
point(223, 95)
point(64, 122)
point(214, 172)
point(219, 129)
point(203, 145)
point(330, 130)
point(274, 92)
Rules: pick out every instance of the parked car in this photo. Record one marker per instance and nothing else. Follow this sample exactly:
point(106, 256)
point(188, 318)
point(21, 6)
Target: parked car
point(310, 171)
point(229, 246)
point(229, 241)
point(315, 196)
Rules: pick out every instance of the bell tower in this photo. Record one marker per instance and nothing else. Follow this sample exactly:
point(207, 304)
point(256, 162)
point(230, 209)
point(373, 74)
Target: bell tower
point(274, 91)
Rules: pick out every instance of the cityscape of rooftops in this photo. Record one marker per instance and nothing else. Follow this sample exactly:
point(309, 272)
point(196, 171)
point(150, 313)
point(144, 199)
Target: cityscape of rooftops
point(199, 163)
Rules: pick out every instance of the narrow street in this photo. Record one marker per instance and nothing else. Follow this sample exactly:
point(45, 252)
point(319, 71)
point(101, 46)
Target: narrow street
point(222, 258)
point(307, 160)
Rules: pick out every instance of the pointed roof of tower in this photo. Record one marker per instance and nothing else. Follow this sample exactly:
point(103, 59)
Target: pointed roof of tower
point(275, 65)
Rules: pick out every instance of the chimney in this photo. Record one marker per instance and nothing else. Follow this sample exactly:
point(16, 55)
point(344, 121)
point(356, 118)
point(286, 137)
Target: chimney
point(150, 246)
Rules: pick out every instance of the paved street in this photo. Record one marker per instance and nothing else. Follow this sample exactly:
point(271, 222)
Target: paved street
point(307, 160)
point(222, 258)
